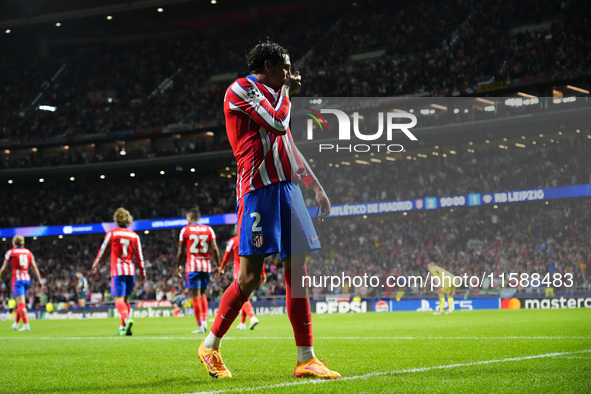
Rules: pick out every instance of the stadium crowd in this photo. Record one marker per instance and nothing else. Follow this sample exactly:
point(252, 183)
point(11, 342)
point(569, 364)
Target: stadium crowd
point(162, 82)
point(485, 171)
point(156, 83)
point(78, 202)
point(479, 50)
point(26, 158)
point(523, 238)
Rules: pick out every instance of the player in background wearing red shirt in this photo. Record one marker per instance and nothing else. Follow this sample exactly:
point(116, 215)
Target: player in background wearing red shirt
point(125, 245)
point(271, 212)
point(232, 254)
point(198, 243)
point(21, 259)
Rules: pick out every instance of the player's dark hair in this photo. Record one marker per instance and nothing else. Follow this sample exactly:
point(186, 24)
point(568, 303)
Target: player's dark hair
point(194, 213)
point(263, 51)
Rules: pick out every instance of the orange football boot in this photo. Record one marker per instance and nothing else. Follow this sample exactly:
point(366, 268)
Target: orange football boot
point(212, 359)
point(314, 368)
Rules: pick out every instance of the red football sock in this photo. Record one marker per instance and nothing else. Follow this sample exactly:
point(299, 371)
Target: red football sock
point(247, 308)
point(128, 307)
point(242, 315)
point(230, 305)
point(197, 309)
point(204, 307)
point(298, 308)
point(18, 315)
point(122, 308)
point(22, 309)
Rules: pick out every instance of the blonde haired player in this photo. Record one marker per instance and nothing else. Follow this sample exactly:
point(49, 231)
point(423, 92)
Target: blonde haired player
point(446, 288)
point(21, 259)
point(125, 244)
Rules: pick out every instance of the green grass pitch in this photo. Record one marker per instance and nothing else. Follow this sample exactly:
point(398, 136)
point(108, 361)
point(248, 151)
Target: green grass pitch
point(525, 351)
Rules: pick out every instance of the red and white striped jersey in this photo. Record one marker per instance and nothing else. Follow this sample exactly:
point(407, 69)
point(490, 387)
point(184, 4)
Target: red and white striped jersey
point(257, 123)
point(125, 244)
point(20, 258)
point(198, 240)
point(232, 254)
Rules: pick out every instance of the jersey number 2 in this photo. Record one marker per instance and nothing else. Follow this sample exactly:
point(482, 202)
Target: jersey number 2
point(257, 220)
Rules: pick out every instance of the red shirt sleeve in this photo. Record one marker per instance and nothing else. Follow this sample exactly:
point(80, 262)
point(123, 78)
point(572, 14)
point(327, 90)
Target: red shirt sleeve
point(246, 97)
point(139, 256)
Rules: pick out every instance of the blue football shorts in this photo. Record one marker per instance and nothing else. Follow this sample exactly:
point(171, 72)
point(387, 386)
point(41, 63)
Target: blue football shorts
point(197, 280)
point(122, 285)
point(20, 287)
point(274, 219)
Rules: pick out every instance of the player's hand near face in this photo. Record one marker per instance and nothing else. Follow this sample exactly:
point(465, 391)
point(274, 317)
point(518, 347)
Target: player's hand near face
point(293, 83)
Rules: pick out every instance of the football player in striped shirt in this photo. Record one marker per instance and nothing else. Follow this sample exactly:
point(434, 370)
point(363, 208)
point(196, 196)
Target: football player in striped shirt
point(125, 247)
point(21, 259)
point(271, 212)
point(198, 243)
point(232, 254)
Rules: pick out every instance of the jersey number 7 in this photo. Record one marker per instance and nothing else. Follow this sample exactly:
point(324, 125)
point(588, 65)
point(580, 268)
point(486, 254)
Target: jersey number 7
point(125, 243)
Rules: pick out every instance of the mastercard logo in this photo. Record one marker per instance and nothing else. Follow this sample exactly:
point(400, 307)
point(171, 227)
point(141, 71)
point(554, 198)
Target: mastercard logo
point(510, 303)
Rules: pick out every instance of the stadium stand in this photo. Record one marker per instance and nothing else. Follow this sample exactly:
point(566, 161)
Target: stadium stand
point(105, 95)
point(119, 92)
point(525, 238)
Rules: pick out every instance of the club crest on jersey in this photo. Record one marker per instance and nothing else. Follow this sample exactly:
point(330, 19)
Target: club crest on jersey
point(257, 240)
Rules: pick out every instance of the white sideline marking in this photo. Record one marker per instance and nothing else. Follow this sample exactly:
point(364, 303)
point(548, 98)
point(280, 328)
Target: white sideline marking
point(373, 374)
point(200, 338)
